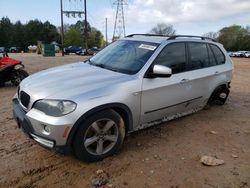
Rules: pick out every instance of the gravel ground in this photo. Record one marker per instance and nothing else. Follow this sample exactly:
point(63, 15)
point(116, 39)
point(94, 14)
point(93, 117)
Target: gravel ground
point(166, 155)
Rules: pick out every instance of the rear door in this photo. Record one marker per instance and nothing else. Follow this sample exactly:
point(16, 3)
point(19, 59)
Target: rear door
point(204, 70)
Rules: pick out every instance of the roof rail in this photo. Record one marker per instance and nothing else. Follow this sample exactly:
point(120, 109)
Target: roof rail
point(149, 35)
point(190, 36)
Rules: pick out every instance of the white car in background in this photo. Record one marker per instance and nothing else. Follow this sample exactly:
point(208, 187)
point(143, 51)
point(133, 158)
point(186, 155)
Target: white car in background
point(247, 54)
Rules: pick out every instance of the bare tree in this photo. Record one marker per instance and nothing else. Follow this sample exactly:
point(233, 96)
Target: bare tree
point(163, 29)
point(213, 35)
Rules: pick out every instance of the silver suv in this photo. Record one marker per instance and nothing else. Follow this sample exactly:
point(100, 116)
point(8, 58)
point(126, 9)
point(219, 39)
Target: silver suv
point(136, 82)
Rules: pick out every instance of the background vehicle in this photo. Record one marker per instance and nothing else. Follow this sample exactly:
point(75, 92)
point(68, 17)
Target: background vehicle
point(231, 54)
point(11, 70)
point(239, 54)
point(14, 49)
point(82, 52)
point(90, 51)
point(247, 54)
point(93, 51)
point(72, 49)
point(133, 83)
point(2, 49)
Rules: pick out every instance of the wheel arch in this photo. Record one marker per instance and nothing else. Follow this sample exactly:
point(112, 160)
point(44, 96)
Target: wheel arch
point(223, 85)
point(122, 109)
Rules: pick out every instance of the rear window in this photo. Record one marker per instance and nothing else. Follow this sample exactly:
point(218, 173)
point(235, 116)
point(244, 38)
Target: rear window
point(219, 56)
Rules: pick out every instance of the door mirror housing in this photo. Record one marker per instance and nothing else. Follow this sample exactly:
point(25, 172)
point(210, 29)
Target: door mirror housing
point(160, 71)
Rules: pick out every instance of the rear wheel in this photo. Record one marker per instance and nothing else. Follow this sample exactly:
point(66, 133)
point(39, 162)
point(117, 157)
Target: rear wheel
point(219, 96)
point(99, 136)
point(18, 76)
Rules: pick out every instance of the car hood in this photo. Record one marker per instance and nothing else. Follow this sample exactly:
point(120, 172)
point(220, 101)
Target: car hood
point(72, 80)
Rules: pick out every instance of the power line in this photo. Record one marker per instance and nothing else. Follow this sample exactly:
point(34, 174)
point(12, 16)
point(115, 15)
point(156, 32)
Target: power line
point(74, 12)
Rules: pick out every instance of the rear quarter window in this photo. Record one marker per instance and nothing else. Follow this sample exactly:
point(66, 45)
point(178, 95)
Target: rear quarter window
point(212, 60)
point(219, 56)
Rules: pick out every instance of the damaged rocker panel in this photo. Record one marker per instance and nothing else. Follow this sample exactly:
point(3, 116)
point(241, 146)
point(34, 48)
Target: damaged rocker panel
point(168, 118)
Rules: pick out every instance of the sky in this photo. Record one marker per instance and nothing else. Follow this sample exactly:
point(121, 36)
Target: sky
point(193, 17)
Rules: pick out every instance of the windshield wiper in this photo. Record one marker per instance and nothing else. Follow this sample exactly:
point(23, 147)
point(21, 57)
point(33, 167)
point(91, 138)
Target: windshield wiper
point(95, 64)
point(100, 65)
point(113, 69)
point(88, 60)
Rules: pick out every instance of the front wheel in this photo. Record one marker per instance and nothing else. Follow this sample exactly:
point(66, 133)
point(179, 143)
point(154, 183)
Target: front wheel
point(17, 76)
point(99, 136)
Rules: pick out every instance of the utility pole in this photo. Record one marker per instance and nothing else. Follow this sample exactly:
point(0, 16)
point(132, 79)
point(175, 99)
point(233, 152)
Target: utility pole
point(73, 13)
point(119, 27)
point(62, 29)
point(106, 24)
point(86, 25)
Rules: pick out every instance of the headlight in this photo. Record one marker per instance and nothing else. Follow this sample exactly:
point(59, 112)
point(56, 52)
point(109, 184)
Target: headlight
point(55, 108)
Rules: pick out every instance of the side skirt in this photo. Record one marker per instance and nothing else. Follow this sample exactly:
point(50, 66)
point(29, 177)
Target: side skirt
point(165, 119)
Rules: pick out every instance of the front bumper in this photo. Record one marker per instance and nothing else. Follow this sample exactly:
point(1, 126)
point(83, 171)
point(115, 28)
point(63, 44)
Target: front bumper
point(26, 125)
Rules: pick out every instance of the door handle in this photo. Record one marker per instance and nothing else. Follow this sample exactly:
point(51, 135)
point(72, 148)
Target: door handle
point(184, 80)
point(216, 73)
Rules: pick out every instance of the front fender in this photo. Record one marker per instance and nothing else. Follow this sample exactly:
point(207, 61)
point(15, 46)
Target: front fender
point(128, 119)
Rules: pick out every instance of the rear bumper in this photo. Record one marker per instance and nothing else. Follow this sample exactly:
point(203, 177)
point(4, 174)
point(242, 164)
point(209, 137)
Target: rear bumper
point(24, 123)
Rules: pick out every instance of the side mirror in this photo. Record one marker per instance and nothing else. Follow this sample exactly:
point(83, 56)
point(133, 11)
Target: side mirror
point(161, 71)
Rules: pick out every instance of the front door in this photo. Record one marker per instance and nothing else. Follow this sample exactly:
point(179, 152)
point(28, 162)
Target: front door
point(165, 97)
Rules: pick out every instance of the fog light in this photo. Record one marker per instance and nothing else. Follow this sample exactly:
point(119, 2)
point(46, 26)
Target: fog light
point(47, 128)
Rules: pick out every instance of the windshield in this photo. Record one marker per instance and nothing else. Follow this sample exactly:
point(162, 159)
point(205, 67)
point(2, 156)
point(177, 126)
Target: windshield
point(124, 56)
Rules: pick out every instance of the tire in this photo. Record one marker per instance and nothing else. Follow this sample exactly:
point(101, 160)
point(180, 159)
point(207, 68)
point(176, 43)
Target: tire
point(219, 96)
point(18, 76)
point(99, 136)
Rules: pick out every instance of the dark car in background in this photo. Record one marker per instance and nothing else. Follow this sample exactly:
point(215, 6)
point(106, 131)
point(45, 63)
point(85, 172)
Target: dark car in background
point(3, 49)
point(93, 51)
point(83, 51)
point(90, 51)
point(14, 50)
point(72, 49)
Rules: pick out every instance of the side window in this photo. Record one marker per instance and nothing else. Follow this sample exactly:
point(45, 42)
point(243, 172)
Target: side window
point(212, 60)
point(220, 58)
point(174, 57)
point(198, 55)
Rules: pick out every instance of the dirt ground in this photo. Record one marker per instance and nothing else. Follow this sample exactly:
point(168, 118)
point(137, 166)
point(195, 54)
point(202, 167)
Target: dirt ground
point(166, 155)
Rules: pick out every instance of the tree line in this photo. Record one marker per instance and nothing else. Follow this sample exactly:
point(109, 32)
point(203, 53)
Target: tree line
point(233, 38)
point(16, 34)
point(74, 35)
point(22, 35)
